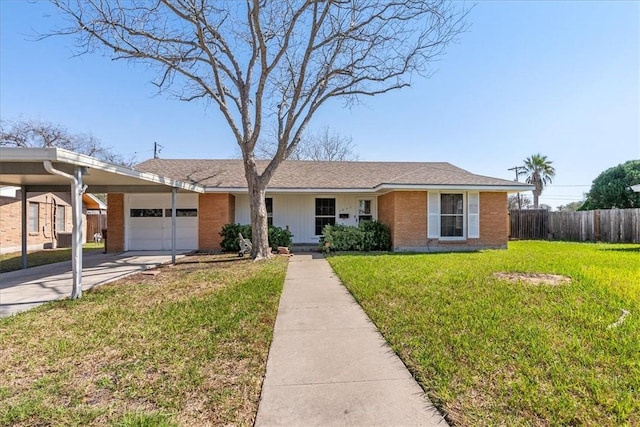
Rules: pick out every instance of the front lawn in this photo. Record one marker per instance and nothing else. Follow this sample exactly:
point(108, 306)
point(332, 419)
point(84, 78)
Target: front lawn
point(489, 351)
point(13, 261)
point(185, 347)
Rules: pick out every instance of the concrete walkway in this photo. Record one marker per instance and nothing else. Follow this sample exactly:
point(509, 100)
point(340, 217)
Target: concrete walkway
point(22, 290)
point(328, 364)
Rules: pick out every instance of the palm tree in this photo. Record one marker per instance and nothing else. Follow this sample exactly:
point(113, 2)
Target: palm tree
point(539, 173)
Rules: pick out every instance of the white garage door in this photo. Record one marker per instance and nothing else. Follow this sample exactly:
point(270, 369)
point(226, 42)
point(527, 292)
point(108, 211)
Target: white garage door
point(149, 222)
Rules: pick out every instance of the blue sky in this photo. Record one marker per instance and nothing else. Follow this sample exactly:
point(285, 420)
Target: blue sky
point(559, 78)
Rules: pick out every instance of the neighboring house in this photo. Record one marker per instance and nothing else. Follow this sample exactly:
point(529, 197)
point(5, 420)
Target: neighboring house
point(635, 188)
point(428, 206)
point(48, 215)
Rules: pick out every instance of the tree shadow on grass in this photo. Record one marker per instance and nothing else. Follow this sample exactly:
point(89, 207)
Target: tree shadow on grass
point(404, 254)
point(206, 258)
point(637, 249)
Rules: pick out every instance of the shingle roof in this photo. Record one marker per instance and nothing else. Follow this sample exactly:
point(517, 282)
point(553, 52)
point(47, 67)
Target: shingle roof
point(300, 174)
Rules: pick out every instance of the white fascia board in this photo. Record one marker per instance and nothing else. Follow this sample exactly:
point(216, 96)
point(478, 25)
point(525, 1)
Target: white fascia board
point(60, 155)
point(91, 162)
point(468, 187)
point(244, 190)
point(100, 203)
point(380, 189)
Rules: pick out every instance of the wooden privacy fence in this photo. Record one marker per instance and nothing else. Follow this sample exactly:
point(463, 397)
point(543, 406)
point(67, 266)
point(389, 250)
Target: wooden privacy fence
point(95, 224)
point(611, 225)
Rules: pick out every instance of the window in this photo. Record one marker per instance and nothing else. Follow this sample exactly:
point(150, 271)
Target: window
point(61, 220)
point(182, 212)
point(325, 214)
point(269, 202)
point(145, 213)
point(34, 217)
point(451, 215)
point(364, 210)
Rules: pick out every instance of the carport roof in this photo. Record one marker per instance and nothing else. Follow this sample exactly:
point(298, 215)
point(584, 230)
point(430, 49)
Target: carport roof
point(25, 167)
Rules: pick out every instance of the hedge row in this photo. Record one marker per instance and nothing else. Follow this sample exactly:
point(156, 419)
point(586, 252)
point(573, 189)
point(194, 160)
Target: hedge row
point(367, 236)
point(230, 240)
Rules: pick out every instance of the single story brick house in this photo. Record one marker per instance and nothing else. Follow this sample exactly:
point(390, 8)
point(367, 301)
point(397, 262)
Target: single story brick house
point(428, 206)
point(48, 216)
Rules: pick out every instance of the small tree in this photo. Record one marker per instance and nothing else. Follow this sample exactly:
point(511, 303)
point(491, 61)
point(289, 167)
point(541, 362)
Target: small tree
point(31, 133)
point(539, 172)
point(612, 188)
point(269, 62)
point(570, 207)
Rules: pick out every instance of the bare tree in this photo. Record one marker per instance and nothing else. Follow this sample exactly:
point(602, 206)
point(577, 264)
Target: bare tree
point(269, 62)
point(523, 203)
point(33, 133)
point(324, 145)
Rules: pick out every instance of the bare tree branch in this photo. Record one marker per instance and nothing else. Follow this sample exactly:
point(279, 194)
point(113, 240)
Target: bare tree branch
point(32, 133)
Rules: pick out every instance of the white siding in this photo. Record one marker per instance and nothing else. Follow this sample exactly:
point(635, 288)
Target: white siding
point(155, 233)
point(433, 221)
point(298, 212)
point(474, 215)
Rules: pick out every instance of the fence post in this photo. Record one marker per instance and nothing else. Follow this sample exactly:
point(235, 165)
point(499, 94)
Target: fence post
point(596, 225)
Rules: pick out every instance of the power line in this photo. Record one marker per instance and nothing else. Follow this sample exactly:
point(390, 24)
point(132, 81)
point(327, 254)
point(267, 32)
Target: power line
point(517, 170)
point(156, 150)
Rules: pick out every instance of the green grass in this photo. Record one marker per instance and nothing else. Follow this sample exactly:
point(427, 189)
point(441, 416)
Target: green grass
point(13, 261)
point(493, 352)
point(186, 347)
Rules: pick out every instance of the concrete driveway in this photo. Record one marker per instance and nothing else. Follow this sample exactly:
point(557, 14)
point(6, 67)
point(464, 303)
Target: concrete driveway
point(22, 290)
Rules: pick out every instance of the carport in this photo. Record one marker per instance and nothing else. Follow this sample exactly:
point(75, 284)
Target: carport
point(59, 170)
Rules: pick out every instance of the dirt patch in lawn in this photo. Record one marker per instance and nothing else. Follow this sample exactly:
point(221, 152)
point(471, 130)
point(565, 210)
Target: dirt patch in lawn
point(534, 278)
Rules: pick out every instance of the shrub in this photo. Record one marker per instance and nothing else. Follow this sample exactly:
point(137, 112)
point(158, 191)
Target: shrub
point(377, 236)
point(229, 233)
point(230, 238)
point(279, 237)
point(367, 236)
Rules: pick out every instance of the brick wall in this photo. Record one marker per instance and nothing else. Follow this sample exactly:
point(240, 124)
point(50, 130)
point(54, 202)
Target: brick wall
point(405, 212)
point(494, 220)
point(115, 221)
point(387, 213)
point(214, 211)
point(10, 222)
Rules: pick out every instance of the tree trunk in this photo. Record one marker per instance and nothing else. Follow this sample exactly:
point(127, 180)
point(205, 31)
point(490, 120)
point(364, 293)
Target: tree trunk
point(535, 199)
point(259, 225)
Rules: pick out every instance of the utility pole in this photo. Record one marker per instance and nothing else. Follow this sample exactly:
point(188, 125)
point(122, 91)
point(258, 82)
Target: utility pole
point(517, 170)
point(156, 150)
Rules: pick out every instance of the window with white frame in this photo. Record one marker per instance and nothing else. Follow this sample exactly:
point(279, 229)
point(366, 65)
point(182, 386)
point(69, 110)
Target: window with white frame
point(34, 217)
point(453, 215)
point(61, 220)
point(325, 214)
point(269, 203)
point(364, 210)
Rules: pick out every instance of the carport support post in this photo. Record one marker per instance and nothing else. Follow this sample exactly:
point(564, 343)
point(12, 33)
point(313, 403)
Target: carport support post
point(23, 224)
point(174, 194)
point(76, 244)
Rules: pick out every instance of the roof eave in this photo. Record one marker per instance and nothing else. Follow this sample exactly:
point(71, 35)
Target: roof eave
point(463, 187)
point(381, 188)
point(59, 155)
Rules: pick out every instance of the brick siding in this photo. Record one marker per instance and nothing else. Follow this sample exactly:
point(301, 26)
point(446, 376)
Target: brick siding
point(214, 211)
point(115, 221)
point(405, 212)
point(10, 222)
point(494, 220)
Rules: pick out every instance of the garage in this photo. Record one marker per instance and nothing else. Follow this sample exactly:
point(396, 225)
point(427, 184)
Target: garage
point(149, 219)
